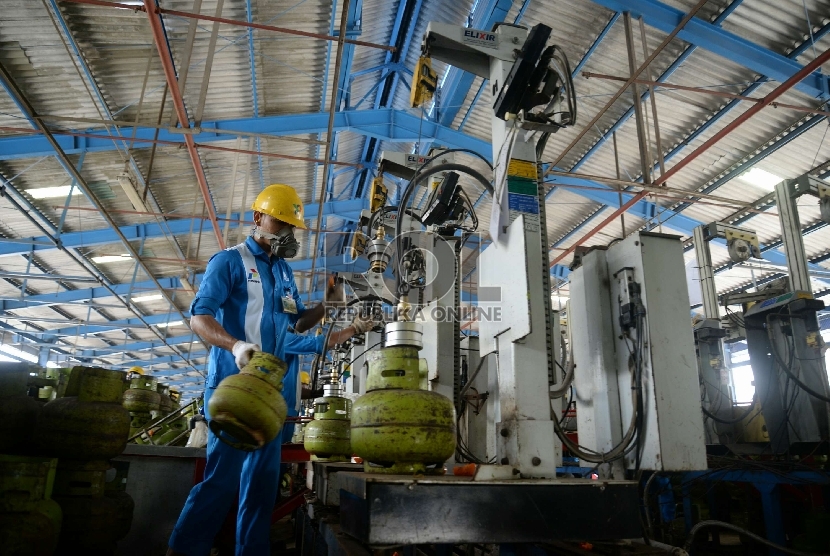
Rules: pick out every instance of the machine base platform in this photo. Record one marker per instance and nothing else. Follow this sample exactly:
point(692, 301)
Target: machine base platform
point(383, 510)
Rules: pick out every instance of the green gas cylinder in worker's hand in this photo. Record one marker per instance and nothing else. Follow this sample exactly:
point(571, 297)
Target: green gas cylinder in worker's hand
point(247, 409)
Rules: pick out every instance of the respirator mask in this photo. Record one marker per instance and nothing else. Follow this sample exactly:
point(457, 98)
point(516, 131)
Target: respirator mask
point(283, 243)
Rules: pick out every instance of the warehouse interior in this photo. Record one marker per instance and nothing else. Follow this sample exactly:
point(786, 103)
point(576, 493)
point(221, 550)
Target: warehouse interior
point(543, 206)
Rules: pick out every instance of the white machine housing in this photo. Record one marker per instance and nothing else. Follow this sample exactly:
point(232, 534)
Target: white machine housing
point(673, 435)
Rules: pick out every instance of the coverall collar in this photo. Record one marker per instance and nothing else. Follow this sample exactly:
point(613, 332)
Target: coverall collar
point(258, 252)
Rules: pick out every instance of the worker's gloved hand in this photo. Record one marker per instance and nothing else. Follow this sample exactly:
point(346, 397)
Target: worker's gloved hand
point(335, 294)
point(363, 323)
point(242, 352)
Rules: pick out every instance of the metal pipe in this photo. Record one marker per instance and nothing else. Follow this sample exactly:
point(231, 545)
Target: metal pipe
point(199, 145)
point(344, 17)
point(166, 58)
point(53, 277)
point(629, 81)
point(704, 91)
point(645, 159)
point(777, 92)
point(657, 142)
point(156, 10)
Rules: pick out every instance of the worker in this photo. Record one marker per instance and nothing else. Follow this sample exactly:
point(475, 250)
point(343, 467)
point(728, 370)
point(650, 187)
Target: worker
point(296, 345)
point(246, 302)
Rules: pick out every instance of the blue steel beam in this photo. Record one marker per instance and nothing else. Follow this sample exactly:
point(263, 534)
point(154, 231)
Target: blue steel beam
point(198, 354)
point(384, 124)
point(348, 210)
point(406, 18)
point(647, 210)
point(139, 346)
point(723, 43)
point(331, 264)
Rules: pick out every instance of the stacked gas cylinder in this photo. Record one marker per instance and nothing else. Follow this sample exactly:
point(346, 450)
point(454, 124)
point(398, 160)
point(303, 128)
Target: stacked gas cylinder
point(53, 484)
point(150, 405)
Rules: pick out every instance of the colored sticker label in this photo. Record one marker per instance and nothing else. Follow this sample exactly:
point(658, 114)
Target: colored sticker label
point(523, 203)
point(521, 186)
point(522, 169)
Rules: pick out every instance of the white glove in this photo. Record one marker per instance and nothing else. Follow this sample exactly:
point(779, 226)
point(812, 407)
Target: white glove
point(242, 352)
point(362, 324)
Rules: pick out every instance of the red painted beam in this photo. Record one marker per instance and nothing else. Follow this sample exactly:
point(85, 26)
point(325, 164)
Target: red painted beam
point(767, 100)
point(181, 113)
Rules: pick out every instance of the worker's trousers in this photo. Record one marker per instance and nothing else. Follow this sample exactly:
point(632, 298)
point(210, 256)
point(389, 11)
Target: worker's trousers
point(255, 474)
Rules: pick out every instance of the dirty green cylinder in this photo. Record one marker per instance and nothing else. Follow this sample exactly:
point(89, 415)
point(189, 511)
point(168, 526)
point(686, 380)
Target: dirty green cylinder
point(34, 532)
point(30, 521)
point(81, 478)
point(137, 423)
point(166, 404)
point(171, 431)
point(142, 396)
point(247, 410)
point(328, 436)
point(397, 428)
point(18, 417)
point(91, 425)
point(94, 525)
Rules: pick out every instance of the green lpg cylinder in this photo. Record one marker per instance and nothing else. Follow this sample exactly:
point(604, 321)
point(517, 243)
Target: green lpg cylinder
point(89, 425)
point(94, 525)
point(141, 396)
point(30, 521)
point(81, 478)
point(396, 427)
point(247, 410)
point(18, 411)
point(328, 436)
point(170, 432)
point(137, 422)
point(166, 404)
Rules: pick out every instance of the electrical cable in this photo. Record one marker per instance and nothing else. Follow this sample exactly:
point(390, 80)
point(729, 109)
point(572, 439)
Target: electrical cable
point(734, 420)
point(566, 382)
point(420, 177)
point(786, 368)
point(714, 523)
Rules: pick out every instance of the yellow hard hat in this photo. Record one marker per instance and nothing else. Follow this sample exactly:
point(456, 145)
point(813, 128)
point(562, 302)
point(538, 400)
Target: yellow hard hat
point(281, 202)
point(137, 370)
point(305, 378)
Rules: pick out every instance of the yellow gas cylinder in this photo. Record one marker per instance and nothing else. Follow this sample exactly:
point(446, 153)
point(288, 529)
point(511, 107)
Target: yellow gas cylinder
point(247, 409)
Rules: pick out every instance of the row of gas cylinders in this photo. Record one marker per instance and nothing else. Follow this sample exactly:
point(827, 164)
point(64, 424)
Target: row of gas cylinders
point(148, 401)
point(396, 427)
point(58, 488)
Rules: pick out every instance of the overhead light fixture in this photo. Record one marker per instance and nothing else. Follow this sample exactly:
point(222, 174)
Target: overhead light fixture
point(51, 192)
point(169, 324)
point(112, 258)
point(150, 297)
point(127, 183)
point(761, 178)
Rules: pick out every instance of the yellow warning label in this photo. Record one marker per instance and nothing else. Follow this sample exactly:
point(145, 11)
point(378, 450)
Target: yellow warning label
point(521, 168)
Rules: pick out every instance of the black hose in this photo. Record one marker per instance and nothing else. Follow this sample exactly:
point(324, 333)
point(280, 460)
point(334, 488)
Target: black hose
point(786, 368)
point(713, 523)
point(734, 420)
point(420, 177)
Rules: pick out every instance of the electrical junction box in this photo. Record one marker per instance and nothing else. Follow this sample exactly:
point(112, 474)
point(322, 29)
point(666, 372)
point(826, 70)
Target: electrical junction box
point(644, 272)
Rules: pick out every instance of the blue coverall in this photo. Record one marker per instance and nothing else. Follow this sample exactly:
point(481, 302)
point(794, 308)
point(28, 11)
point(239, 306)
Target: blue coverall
point(242, 289)
point(296, 345)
